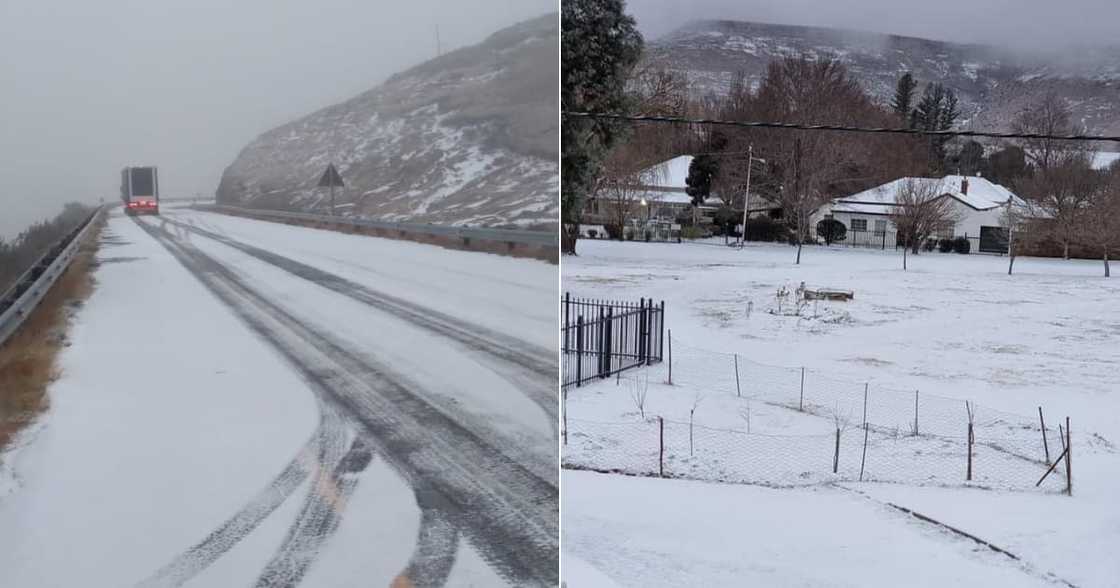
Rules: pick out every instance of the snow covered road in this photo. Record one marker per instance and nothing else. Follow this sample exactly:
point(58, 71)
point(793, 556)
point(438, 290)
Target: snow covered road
point(399, 391)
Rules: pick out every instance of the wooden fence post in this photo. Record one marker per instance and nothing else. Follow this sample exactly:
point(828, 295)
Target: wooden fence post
point(836, 454)
point(1069, 461)
point(1045, 443)
point(738, 392)
point(968, 407)
point(661, 443)
point(915, 413)
point(801, 399)
point(863, 459)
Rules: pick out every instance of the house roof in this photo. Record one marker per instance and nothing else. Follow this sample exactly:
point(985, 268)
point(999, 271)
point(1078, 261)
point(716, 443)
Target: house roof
point(672, 173)
point(982, 194)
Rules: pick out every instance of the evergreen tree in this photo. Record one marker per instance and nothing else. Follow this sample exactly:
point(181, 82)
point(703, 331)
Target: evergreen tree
point(971, 158)
point(701, 171)
point(600, 44)
point(936, 111)
point(903, 99)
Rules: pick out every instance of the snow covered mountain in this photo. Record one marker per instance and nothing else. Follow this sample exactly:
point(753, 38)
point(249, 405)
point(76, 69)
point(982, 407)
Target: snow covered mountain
point(993, 84)
point(468, 138)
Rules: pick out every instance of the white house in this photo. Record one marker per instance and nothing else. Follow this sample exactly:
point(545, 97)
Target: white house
point(659, 201)
point(978, 206)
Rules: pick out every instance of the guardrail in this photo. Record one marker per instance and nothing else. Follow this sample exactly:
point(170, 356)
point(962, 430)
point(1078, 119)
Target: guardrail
point(24, 295)
point(537, 244)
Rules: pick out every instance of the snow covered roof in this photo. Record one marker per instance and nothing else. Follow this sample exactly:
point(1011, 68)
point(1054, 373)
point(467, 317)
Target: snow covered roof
point(672, 173)
point(981, 194)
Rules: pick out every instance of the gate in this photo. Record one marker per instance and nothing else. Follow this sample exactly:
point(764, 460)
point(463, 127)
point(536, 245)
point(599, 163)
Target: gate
point(600, 338)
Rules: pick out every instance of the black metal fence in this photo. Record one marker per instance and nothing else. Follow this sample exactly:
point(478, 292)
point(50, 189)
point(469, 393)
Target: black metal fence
point(600, 338)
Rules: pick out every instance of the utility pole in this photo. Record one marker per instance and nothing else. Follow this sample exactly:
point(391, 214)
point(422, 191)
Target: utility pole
point(747, 195)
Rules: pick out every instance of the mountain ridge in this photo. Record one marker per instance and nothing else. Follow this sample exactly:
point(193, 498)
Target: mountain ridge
point(993, 83)
point(467, 138)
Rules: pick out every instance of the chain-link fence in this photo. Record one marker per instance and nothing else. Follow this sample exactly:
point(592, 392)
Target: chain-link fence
point(877, 433)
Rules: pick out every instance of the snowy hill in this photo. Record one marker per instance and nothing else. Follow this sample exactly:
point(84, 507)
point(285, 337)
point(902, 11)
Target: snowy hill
point(993, 84)
point(468, 138)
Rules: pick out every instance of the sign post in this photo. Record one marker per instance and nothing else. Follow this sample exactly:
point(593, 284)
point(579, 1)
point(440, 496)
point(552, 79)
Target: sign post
point(330, 179)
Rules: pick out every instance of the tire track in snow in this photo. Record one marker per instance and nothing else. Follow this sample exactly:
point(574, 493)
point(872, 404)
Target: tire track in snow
point(319, 518)
point(507, 513)
point(514, 357)
point(204, 553)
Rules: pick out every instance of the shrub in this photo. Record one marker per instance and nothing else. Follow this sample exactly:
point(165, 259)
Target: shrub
point(629, 234)
point(945, 245)
point(962, 245)
point(765, 229)
point(692, 233)
point(832, 230)
point(594, 234)
point(929, 245)
point(613, 231)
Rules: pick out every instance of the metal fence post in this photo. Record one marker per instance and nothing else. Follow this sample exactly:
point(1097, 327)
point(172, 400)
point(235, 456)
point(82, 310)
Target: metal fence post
point(661, 332)
point(670, 356)
point(579, 350)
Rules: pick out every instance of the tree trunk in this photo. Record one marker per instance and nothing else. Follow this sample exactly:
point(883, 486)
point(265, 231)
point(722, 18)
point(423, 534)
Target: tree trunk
point(1107, 273)
point(1065, 250)
point(568, 234)
point(798, 262)
point(1010, 263)
point(903, 259)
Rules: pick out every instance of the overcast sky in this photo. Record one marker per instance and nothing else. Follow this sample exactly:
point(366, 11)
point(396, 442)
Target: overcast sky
point(1021, 23)
point(89, 87)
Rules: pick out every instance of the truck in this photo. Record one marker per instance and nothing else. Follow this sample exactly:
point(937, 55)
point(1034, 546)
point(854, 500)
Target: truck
point(140, 190)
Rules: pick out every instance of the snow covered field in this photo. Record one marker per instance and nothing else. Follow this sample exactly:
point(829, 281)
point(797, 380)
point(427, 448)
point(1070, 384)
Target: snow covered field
point(953, 326)
point(221, 420)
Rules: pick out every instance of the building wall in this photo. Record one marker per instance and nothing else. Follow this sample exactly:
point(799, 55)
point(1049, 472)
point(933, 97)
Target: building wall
point(968, 221)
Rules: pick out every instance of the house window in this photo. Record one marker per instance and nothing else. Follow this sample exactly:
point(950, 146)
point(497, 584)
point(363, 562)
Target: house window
point(859, 224)
point(880, 226)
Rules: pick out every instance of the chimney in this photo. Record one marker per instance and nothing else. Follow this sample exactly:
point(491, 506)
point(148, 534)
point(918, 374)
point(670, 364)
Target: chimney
point(964, 186)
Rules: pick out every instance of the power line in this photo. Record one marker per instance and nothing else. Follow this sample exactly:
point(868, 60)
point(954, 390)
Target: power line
point(839, 128)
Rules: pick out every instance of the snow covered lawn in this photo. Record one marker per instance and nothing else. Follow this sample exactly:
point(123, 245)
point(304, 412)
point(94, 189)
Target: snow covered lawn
point(649, 532)
point(952, 326)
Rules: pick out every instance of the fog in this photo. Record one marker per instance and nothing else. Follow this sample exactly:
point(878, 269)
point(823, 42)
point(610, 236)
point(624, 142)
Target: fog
point(89, 87)
point(1019, 24)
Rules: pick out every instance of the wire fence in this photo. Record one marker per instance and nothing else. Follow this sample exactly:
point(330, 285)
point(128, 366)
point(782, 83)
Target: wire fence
point(876, 433)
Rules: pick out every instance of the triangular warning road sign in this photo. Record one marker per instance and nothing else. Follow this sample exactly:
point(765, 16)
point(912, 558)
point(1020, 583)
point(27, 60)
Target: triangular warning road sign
point(330, 178)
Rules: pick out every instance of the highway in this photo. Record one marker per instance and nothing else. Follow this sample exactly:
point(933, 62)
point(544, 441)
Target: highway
point(246, 402)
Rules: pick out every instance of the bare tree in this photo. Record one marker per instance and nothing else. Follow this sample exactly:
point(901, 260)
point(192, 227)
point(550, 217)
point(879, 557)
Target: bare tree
point(638, 390)
point(920, 210)
point(1102, 219)
point(1061, 193)
point(1050, 115)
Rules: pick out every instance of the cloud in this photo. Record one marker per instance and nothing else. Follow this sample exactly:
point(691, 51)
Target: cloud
point(89, 87)
point(1020, 24)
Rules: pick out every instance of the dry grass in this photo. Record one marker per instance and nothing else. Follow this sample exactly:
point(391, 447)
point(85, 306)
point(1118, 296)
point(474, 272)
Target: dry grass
point(28, 359)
